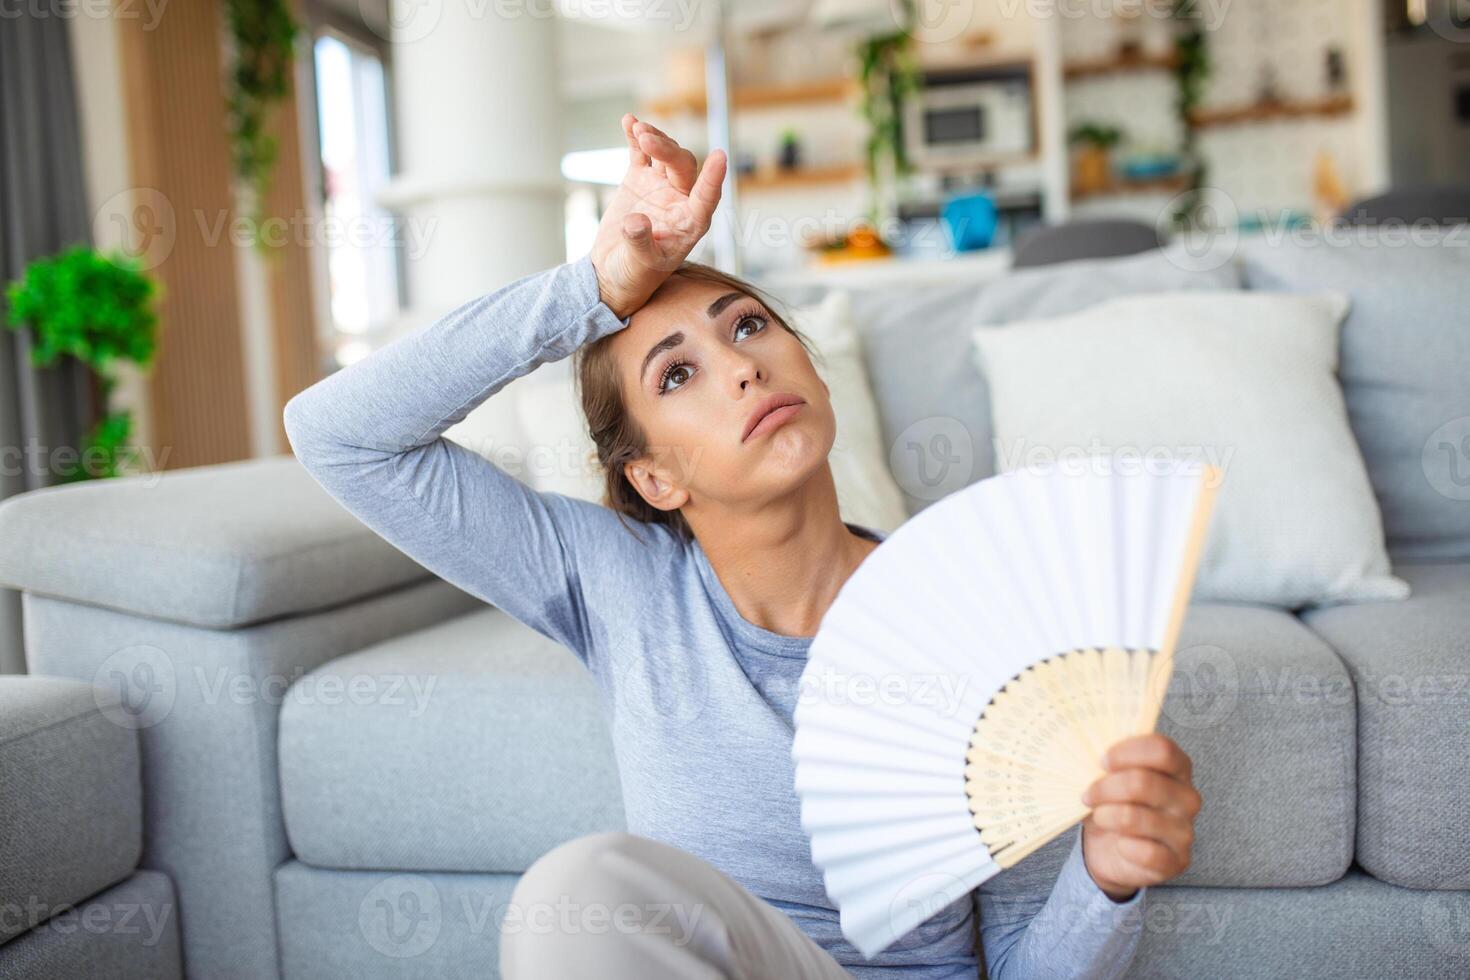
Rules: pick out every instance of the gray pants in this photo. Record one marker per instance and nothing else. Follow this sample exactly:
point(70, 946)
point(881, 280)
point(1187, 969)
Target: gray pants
point(616, 906)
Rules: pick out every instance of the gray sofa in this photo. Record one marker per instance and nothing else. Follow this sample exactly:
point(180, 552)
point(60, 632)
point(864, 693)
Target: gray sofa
point(348, 762)
point(73, 902)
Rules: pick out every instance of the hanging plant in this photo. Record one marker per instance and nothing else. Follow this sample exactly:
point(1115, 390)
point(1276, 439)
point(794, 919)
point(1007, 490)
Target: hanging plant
point(1191, 69)
point(888, 75)
point(264, 36)
point(99, 310)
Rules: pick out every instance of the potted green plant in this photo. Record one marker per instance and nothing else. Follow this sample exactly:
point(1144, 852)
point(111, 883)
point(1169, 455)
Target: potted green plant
point(788, 156)
point(888, 76)
point(1092, 166)
point(99, 310)
point(263, 36)
point(1192, 67)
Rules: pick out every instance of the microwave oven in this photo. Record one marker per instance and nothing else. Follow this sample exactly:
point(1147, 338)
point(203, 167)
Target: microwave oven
point(969, 118)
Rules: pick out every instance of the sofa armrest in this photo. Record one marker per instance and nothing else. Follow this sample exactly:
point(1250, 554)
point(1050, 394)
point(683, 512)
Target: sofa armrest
point(220, 546)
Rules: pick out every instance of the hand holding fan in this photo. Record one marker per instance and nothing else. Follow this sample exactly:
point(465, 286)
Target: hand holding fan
point(964, 685)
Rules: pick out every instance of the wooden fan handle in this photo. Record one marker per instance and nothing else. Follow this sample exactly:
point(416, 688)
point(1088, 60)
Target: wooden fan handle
point(1194, 546)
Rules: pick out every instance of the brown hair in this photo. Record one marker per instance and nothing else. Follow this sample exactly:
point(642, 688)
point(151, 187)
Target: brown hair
point(617, 437)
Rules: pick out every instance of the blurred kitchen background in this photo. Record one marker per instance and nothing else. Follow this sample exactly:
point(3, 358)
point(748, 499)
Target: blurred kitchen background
point(411, 154)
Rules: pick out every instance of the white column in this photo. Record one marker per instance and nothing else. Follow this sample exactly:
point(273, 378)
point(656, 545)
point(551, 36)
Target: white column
point(478, 117)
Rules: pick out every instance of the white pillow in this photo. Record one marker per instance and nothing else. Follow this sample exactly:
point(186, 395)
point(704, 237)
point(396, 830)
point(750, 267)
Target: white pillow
point(560, 456)
point(866, 491)
point(1244, 380)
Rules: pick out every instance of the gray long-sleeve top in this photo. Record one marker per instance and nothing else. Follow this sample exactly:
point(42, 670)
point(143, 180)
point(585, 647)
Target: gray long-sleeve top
point(699, 699)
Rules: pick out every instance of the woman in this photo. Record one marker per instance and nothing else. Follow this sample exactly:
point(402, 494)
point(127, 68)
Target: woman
point(692, 598)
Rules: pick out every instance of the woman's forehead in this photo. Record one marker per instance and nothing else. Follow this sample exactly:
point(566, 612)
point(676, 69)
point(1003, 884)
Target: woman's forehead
point(681, 296)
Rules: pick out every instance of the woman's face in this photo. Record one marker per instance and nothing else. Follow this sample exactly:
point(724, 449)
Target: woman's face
point(697, 364)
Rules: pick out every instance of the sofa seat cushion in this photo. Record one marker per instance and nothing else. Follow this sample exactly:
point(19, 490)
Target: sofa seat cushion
point(1411, 667)
point(475, 745)
point(71, 797)
point(157, 545)
point(1355, 927)
point(493, 749)
point(377, 925)
point(128, 932)
point(1265, 710)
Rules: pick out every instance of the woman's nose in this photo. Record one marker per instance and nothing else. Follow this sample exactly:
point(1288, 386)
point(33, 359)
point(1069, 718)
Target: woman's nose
point(744, 370)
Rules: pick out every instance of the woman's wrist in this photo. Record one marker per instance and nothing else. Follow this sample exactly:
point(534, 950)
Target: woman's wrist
point(1118, 893)
point(608, 293)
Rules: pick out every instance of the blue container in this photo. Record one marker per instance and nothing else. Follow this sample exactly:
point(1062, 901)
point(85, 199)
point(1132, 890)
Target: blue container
point(970, 221)
point(1149, 167)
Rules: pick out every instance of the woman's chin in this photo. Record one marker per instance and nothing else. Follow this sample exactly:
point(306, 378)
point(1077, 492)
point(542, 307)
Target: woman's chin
point(796, 452)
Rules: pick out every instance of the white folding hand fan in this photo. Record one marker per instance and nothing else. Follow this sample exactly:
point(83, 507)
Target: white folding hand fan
point(964, 685)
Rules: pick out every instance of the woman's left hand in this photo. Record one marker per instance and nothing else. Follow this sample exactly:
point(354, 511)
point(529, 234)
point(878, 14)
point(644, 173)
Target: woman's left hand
point(1141, 826)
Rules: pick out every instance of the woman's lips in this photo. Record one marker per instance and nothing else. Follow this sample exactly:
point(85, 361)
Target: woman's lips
point(773, 420)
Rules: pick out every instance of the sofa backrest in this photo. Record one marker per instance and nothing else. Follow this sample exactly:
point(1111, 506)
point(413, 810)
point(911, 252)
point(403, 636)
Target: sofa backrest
point(1404, 366)
point(935, 404)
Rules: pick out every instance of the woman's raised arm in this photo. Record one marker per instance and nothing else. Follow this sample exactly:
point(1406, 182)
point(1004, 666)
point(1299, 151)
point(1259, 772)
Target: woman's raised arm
point(371, 433)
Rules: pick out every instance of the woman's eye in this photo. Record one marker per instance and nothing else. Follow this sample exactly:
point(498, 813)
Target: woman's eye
point(758, 321)
point(679, 372)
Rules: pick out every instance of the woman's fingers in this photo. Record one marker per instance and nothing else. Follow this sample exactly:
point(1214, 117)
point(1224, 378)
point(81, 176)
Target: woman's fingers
point(667, 159)
point(636, 156)
point(1146, 787)
point(677, 163)
point(1132, 820)
point(638, 235)
point(1153, 862)
point(1152, 751)
point(706, 192)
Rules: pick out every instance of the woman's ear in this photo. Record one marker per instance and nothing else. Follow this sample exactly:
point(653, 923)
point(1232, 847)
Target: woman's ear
point(654, 484)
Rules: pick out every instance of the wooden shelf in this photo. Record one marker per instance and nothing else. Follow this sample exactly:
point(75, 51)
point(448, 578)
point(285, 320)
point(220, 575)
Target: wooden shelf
point(800, 177)
point(1332, 105)
point(1172, 184)
point(973, 59)
point(1120, 63)
point(761, 97)
point(825, 90)
point(675, 105)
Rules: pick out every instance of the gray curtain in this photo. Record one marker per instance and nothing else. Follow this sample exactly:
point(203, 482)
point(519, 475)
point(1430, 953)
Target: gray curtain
point(43, 208)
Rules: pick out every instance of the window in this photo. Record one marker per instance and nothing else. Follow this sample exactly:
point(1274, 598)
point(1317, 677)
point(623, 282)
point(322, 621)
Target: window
point(360, 238)
point(592, 176)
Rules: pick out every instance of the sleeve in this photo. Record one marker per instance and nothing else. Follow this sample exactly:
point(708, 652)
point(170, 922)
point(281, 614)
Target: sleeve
point(370, 434)
point(1036, 924)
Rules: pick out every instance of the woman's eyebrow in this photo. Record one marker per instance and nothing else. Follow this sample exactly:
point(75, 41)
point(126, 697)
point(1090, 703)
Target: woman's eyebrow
point(668, 343)
point(721, 303)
